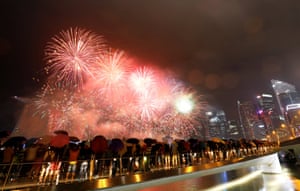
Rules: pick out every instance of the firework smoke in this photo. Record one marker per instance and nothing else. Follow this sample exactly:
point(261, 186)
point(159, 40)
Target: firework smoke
point(92, 89)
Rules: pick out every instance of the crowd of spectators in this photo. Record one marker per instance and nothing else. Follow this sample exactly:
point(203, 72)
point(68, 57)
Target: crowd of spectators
point(89, 159)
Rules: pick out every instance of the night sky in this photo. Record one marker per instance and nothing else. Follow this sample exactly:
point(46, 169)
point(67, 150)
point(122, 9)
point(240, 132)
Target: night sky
point(228, 50)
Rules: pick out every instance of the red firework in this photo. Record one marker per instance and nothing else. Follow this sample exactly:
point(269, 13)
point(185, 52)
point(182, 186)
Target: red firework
point(111, 76)
point(71, 56)
point(142, 80)
point(115, 97)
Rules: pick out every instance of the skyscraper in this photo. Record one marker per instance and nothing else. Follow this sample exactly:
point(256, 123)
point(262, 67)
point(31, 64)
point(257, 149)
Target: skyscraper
point(233, 130)
point(265, 110)
point(285, 94)
point(248, 118)
point(217, 123)
point(288, 101)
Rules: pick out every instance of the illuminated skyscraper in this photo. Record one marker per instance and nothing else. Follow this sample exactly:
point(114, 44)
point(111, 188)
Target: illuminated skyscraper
point(217, 123)
point(285, 94)
point(248, 118)
point(288, 100)
point(266, 110)
point(233, 130)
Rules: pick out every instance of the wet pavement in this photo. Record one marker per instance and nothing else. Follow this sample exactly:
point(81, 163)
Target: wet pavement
point(143, 180)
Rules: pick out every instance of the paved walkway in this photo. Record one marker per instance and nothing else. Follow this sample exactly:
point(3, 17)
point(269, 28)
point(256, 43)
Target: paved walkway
point(118, 182)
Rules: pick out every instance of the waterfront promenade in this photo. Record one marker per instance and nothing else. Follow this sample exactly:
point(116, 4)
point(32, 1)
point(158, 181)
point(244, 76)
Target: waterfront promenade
point(119, 162)
point(156, 176)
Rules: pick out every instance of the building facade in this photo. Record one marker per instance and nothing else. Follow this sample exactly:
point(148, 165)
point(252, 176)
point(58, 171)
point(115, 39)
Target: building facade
point(233, 130)
point(248, 119)
point(288, 100)
point(217, 123)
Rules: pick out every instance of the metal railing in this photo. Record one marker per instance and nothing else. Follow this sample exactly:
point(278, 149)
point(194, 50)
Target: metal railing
point(55, 172)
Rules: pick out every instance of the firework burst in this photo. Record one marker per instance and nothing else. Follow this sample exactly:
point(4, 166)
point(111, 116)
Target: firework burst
point(142, 80)
point(71, 56)
point(55, 104)
point(93, 89)
point(147, 106)
point(111, 76)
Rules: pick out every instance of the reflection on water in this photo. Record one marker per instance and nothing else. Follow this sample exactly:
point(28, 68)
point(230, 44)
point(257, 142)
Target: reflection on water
point(248, 179)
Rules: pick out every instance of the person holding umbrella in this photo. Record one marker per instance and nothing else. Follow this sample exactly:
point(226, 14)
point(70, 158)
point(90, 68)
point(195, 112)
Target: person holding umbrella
point(73, 156)
point(116, 145)
point(8, 155)
point(50, 166)
point(99, 147)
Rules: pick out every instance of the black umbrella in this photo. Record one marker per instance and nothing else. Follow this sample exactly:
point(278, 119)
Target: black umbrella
point(74, 140)
point(16, 141)
point(149, 141)
point(116, 145)
point(192, 141)
point(156, 147)
point(31, 141)
point(133, 140)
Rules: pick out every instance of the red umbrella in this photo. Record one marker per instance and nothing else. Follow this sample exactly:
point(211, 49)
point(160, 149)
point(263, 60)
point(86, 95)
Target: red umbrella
point(99, 144)
point(59, 140)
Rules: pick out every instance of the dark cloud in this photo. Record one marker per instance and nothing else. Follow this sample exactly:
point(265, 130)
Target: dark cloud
point(228, 49)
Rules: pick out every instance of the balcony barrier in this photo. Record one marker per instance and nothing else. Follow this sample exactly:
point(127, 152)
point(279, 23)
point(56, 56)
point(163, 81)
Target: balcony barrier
point(56, 172)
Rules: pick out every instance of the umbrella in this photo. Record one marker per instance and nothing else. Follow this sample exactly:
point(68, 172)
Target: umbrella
point(99, 144)
point(31, 141)
point(116, 145)
point(156, 147)
point(252, 143)
point(57, 132)
point(258, 142)
point(217, 140)
point(15, 141)
point(59, 140)
point(192, 141)
point(149, 141)
point(74, 140)
point(133, 140)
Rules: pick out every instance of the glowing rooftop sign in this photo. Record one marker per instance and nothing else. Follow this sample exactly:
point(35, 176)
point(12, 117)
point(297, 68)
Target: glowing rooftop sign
point(293, 106)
